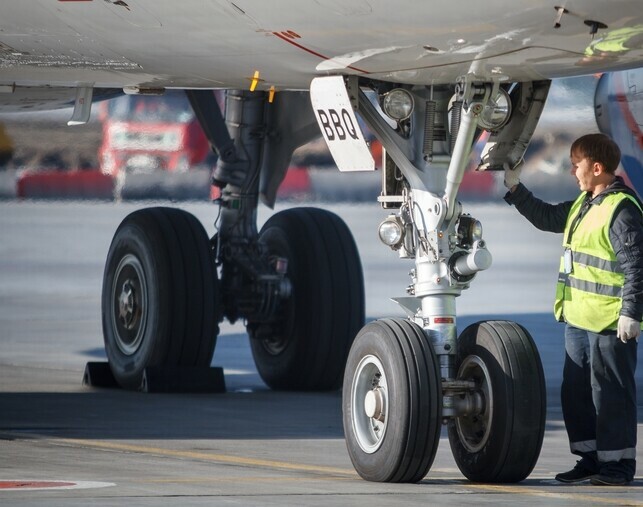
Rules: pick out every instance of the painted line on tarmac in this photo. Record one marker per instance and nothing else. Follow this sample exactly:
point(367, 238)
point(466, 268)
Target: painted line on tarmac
point(493, 488)
point(39, 485)
point(225, 458)
point(205, 456)
point(243, 478)
point(343, 472)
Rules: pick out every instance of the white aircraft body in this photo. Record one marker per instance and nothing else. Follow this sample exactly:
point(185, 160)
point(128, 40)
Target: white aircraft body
point(221, 43)
point(427, 78)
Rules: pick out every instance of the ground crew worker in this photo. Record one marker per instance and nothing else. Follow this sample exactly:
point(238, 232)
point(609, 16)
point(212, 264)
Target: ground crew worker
point(599, 296)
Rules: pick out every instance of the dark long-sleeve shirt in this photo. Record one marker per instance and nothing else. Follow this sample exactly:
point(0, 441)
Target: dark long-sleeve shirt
point(626, 234)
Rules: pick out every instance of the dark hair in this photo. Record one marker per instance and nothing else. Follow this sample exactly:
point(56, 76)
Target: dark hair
point(598, 148)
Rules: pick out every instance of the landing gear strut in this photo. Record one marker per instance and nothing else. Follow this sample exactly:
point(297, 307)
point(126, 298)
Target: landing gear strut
point(404, 378)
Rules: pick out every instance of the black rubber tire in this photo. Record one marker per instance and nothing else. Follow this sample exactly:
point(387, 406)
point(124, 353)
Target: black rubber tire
point(501, 445)
point(306, 348)
point(406, 447)
point(166, 256)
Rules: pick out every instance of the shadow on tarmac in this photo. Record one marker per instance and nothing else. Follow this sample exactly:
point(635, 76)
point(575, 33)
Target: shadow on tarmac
point(249, 410)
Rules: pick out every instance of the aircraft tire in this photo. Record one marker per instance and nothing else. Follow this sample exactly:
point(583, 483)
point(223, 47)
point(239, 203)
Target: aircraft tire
point(307, 346)
point(160, 297)
point(394, 435)
point(502, 444)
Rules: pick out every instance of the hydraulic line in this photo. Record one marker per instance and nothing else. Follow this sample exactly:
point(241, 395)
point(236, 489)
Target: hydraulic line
point(456, 117)
point(429, 129)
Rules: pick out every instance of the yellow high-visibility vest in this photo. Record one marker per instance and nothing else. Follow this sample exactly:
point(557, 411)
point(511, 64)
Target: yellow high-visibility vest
point(588, 293)
point(615, 42)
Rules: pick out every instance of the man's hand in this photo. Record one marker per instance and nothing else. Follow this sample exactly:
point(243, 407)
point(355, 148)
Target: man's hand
point(512, 174)
point(628, 328)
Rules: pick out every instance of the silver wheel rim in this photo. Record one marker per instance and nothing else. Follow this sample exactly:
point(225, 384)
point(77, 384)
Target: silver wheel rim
point(129, 300)
point(473, 430)
point(369, 404)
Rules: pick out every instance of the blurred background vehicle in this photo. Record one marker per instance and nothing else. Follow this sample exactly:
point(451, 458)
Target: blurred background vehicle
point(144, 134)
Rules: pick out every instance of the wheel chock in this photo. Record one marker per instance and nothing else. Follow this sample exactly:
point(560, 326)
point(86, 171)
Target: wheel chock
point(99, 374)
point(160, 380)
point(183, 380)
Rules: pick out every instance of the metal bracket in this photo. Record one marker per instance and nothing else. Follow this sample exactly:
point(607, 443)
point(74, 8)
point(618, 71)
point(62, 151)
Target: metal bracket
point(82, 106)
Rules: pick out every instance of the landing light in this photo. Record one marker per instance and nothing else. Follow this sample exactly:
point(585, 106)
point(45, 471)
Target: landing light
point(497, 112)
point(391, 232)
point(469, 230)
point(398, 104)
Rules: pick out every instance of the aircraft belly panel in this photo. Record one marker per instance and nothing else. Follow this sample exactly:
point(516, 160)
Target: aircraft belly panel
point(222, 43)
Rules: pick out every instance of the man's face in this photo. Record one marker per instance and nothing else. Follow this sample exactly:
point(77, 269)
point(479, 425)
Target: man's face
point(585, 172)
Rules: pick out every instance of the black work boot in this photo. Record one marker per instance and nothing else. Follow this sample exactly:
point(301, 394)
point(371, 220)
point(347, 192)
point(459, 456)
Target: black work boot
point(581, 472)
point(609, 480)
point(615, 473)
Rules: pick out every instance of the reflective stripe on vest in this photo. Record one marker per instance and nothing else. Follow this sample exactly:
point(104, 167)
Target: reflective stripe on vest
point(590, 296)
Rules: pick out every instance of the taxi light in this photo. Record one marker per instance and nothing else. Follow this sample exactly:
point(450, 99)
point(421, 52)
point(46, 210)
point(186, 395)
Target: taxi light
point(391, 232)
point(475, 231)
point(398, 104)
point(469, 230)
point(496, 113)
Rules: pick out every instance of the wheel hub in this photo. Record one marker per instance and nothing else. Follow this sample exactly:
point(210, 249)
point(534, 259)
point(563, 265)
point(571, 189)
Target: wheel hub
point(374, 404)
point(474, 429)
point(129, 302)
point(369, 402)
point(127, 305)
point(275, 345)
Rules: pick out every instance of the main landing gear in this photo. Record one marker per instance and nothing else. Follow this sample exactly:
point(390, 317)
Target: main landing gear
point(297, 284)
point(405, 378)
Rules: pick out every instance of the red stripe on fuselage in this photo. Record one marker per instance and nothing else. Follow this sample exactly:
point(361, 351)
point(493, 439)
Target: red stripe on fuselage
point(312, 52)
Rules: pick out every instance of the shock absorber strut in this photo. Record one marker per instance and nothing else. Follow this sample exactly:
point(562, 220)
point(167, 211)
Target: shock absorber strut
point(252, 283)
point(245, 122)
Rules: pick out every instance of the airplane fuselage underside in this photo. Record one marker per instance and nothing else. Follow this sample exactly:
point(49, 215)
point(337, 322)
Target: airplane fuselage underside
point(221, 44)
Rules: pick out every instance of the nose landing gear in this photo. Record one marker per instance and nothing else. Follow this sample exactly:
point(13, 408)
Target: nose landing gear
point(405, 377)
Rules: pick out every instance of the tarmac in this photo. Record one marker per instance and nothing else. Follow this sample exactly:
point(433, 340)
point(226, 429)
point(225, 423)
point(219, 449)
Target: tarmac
point(66, 444)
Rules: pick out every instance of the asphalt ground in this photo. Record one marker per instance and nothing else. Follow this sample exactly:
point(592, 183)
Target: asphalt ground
point(249, 446)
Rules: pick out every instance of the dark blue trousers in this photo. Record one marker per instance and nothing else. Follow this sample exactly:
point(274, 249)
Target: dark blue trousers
point(598, 398)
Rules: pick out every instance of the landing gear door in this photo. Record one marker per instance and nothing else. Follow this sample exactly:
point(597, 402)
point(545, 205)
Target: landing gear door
point(338, 124)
